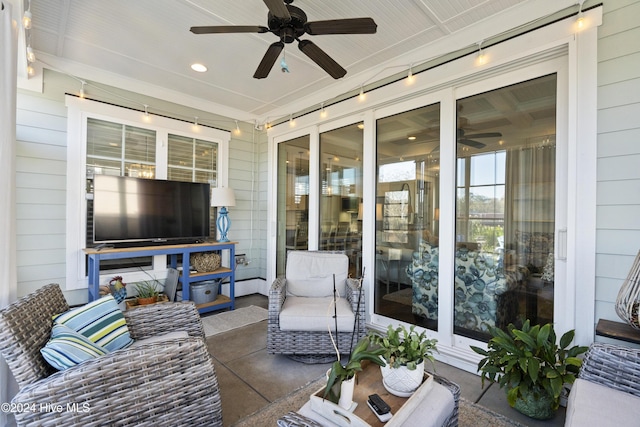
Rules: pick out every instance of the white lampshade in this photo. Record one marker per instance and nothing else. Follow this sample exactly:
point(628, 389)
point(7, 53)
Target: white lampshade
point(222, 196)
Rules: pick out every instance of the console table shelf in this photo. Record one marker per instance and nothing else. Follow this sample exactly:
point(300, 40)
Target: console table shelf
point(186, 276)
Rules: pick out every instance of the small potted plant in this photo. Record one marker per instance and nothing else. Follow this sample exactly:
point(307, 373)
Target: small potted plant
point(341, 380)
point(404, 351)
point(531, 366)
point(147, 292)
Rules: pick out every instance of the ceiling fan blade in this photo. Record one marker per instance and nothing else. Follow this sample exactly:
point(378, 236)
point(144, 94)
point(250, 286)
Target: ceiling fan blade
point(278, 9)
point(268, 60)
point(485, 135)
point(472, 143)
point(341, 26)
point(221, 29)
point(322, 59)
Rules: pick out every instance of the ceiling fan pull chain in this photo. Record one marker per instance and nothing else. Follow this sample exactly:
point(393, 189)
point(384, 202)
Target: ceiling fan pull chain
point(283, 64)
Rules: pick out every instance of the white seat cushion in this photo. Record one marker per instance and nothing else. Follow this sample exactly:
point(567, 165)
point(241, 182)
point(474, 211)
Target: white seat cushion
point(315, 314)
point(592, 404)
point(310, 274)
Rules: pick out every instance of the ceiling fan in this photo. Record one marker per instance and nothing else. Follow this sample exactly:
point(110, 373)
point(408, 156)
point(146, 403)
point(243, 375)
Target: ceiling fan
point(470, 140)
point(465, 139)
point(289, 23)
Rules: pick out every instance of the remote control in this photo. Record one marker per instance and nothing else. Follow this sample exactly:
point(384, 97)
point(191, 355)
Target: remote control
point(379, 407)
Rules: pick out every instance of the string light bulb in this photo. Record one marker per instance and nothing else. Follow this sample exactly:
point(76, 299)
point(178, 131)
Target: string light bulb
point(580, 19)
point(323, 112)
point(362, 96)
point(31, 57)
point(26, 18)
point(30, 70)
point(482, 58)
point(237, 130)
point(82, 88)
point(292, 122)
point(195, 121)
point(410, 77)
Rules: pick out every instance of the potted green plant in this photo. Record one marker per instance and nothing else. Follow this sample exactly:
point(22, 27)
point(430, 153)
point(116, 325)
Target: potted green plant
point(531, 366)
point(341, 378)
point(404, 353)
point(147, 292)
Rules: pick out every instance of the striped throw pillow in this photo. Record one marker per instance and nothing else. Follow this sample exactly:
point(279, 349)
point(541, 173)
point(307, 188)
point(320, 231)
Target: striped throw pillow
point(67, 348)
point(101, 321)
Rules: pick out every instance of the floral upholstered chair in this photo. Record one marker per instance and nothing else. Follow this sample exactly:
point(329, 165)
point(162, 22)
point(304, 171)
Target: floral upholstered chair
point(423, 272)
point(482, 287)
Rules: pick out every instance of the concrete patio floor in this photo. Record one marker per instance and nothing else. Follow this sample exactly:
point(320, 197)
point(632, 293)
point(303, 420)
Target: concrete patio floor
point(250, 378)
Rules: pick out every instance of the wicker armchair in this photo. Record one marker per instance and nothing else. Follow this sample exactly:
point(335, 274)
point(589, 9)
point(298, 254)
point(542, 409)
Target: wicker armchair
point(314, 346)
point(165, 383)
point(609, 378)
point(614, 366)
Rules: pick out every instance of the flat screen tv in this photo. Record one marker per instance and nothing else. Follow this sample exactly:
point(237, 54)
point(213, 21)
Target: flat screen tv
point(133, 211)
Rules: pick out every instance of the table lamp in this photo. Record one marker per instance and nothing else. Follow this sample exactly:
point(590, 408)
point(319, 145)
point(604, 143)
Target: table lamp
point(221, 197)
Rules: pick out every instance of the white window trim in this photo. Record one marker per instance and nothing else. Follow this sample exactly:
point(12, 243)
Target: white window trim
point(78, 111)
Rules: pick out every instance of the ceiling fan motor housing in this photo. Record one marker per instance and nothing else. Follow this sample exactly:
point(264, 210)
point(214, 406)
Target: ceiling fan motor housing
point(290, 30)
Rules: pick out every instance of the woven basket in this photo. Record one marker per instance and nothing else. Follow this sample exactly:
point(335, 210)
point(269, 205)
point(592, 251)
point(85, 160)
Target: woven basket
point(205, 261)
point(628, 301)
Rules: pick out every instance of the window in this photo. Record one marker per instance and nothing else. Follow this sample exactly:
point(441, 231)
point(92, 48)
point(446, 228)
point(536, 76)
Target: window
point(105, 139)
point(480, 200)
point(192, 160)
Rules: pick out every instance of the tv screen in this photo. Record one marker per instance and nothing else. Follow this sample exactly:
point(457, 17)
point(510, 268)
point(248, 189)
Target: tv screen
point(128, 210)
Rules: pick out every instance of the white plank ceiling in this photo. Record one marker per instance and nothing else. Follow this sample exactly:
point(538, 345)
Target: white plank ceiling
point(149, 42)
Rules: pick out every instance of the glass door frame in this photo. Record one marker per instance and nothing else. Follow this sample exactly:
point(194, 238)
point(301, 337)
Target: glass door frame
point(313, 132)
point(555, 48)
point(558, 66)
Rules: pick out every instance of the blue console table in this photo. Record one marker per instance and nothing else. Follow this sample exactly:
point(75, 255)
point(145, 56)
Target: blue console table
point(186, 276)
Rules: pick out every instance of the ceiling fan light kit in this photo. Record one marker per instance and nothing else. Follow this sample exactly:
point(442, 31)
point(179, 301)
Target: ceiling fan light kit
point(289, 23)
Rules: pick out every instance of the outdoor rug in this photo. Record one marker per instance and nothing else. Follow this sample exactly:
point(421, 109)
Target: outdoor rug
point(228, 320)
point(470, 414)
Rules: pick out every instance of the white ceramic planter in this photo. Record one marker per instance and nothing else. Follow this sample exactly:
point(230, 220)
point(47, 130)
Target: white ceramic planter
point(346, 393)
point(402, 381)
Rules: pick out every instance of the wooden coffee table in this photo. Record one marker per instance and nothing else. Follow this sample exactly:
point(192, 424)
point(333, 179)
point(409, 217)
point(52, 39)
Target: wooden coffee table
point(369, 381)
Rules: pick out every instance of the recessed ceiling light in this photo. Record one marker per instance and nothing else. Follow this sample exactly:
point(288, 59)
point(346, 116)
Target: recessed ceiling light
point(198, 67)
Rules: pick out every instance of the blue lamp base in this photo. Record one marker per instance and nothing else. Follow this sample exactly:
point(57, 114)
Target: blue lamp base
point(223, 223)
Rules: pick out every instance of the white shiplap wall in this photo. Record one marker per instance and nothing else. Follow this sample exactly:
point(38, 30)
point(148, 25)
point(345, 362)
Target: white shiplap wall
point(618, 186)
point(40, 191)
point(41, 165)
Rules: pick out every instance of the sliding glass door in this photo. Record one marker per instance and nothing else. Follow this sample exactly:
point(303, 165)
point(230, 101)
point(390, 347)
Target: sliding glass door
point(341, 203)
point(293, 199)
point(499, 262)
point(505, 207)
point(407, 216)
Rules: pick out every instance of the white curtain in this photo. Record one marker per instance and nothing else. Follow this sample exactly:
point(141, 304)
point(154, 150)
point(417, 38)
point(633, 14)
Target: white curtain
point(8, 84)
point(530, 193)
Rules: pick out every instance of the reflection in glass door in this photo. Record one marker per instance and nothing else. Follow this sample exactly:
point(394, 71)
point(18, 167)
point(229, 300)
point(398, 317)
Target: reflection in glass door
point(293, 199)
point(341, 194)
point(505, 207)
point(407, 216)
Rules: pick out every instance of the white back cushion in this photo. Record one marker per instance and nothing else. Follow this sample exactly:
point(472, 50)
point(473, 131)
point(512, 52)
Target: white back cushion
point(310, 274)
